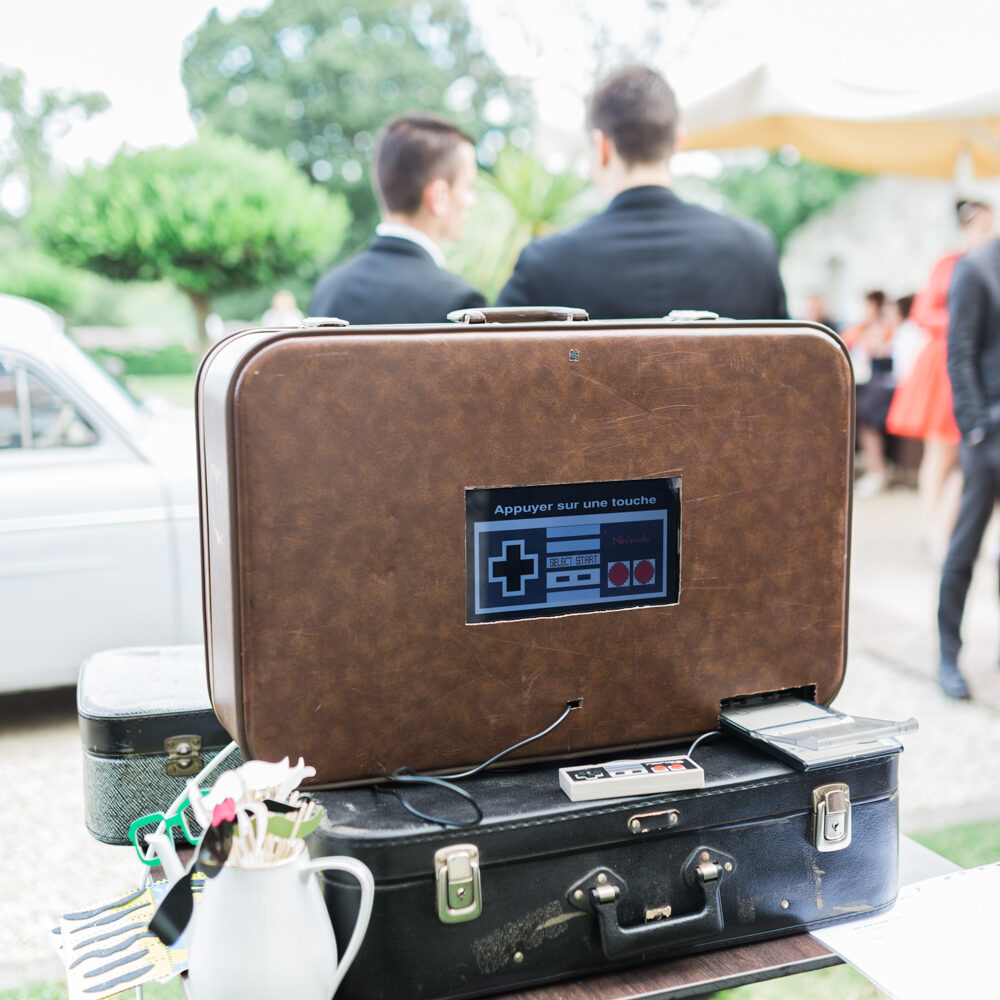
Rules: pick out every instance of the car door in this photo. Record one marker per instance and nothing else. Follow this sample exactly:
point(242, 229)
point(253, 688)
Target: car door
point(84, 537)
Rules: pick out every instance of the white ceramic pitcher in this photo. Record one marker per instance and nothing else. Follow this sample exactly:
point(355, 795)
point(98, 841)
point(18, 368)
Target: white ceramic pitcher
point(264, 932)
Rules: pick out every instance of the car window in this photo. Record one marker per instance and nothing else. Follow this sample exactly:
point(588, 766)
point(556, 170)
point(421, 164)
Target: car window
point(34, 415)
point(10, 426)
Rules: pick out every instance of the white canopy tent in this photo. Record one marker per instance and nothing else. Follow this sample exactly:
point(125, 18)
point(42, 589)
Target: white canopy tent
point(876, 86)
point(851, 125)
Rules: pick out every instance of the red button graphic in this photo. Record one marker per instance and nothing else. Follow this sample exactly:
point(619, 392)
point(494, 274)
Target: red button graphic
point(618, 574)
point(658, 767)
point(643, 571)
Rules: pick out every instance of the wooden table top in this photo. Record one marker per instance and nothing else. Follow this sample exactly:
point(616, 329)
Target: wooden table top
point(693, 975)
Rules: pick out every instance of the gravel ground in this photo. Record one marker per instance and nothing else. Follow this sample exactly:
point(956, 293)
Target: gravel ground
point(49, 864)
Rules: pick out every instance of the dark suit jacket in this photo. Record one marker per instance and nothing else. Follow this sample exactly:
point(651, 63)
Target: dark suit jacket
point(648, 253)
point(974, 336)
point(391, 281)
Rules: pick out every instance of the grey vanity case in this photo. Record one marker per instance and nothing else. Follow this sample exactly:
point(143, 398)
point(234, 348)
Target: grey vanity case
point(146, 725)
point(545, 888)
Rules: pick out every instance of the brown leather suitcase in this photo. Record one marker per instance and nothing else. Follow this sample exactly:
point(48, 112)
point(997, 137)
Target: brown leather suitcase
point(420, 543)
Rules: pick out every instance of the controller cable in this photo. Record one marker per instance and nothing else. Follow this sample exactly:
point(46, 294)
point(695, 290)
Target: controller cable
point(405, 775)
point(704, 736)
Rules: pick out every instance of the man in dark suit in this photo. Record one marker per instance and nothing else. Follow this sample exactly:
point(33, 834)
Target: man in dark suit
point(649, 252)
point(974, 369)
point(424, 173)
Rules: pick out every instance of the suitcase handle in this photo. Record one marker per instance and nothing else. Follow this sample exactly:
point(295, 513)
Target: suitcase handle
point(602, 891)
point(522, 314)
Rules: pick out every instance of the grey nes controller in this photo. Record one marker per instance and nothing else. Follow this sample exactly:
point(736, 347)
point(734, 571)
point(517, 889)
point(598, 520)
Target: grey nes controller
point(619, 778)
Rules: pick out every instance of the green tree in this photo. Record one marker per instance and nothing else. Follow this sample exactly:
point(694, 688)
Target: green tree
point(30, 272)
point(779, 191)
point(213, 216)
point(31, 120)
point(317, 79)
point(519, 201)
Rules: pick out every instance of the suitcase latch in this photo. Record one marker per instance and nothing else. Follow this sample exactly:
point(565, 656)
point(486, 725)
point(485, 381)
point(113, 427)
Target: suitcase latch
point(183, 756)
point(831, 817)
point(459, 892)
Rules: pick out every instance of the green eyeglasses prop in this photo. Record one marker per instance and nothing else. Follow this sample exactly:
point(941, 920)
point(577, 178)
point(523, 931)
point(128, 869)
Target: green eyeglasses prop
point(147, 824)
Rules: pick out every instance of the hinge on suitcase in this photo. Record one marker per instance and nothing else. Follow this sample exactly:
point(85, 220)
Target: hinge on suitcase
point(459, 890)
point(183, 756)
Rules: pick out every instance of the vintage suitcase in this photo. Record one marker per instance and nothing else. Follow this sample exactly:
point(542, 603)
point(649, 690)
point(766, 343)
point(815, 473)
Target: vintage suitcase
point(545, 888)
point(146, 725)
point(421, 543)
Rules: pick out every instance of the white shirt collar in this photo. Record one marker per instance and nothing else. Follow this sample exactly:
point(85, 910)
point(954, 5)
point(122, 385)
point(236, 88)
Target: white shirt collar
point(404, 232)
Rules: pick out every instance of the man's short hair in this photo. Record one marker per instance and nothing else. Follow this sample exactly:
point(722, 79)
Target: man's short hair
point(967, 210)
point(636, 109)
point(413, 150)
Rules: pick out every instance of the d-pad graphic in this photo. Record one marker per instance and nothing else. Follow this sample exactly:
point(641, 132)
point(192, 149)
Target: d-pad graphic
point(514, 568)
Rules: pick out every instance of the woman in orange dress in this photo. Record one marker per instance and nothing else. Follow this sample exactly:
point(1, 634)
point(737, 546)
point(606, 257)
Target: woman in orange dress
point(922, 404)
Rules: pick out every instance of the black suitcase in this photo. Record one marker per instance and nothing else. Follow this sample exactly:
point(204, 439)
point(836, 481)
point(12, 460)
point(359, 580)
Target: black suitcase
point(146, 726)
point(544, 888)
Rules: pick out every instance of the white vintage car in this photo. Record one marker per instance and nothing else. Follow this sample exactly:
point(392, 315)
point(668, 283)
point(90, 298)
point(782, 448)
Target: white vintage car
point(98, 509)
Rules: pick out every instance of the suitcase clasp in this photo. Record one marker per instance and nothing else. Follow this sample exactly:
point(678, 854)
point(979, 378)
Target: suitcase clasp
point(183, 756)
point(831, 817)
point(459, 891)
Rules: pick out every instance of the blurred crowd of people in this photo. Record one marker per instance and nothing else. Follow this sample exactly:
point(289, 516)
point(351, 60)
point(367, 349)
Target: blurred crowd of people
point(927, 367)
point(899, 347)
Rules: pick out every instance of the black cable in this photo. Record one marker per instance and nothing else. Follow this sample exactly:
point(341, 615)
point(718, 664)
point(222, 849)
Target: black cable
point(404, 774)
point(570, 706)
point(445, 781)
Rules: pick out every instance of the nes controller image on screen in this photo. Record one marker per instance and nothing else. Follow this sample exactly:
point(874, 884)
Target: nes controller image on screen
point(539, 551)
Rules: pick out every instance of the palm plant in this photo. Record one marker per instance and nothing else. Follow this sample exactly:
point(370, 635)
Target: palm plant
point(518, 202)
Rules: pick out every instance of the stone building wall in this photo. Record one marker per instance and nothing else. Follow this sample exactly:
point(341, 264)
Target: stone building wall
point(885, 233)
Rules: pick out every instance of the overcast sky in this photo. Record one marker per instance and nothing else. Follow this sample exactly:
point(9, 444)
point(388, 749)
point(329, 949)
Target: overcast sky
point(131, 49)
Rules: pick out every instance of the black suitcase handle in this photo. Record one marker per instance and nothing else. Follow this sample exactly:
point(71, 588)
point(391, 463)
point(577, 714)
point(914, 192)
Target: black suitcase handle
point(520, 314)
point(602, 891)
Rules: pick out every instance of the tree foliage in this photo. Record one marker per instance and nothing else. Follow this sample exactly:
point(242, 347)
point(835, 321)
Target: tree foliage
point(518, 201)
point(30, 120)
point(317, 80)
point(29, 272)
point(213, 216)
point(778, 192)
